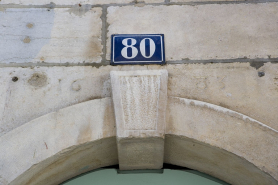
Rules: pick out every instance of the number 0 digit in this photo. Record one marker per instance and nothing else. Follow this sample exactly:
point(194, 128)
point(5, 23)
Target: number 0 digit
point(143, 47)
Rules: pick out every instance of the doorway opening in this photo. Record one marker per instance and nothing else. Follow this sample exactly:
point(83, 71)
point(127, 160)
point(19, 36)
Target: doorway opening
point(170, 174)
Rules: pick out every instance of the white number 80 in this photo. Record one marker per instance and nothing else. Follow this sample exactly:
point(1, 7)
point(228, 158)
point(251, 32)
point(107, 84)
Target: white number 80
point(134, 50)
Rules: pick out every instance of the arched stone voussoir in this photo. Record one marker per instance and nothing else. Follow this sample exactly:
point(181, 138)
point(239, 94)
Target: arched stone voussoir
point(60, 145)
point(227, 130)
point(217, 162)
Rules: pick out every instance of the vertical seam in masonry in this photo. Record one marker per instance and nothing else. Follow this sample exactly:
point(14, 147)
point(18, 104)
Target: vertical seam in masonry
point(104, 33)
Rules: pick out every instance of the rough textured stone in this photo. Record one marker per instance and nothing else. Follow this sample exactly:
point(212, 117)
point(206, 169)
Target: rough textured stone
point(140, 153)
point(80, 138)
point(71, 162)
point(235, 86)
point(66, 134)
point(140, 99)
point(201, 135)
point(57, 35)
point(42, 90)
point(62, 2)
point(190, 153)
point(225, 129)
point(203, 32)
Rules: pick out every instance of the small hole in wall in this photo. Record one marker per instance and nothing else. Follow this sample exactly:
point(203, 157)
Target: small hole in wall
point(14, 79)
point(261, 74)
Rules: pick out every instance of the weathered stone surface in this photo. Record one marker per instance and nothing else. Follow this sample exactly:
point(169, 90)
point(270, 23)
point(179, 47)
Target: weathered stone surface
point(184, 1)
point(42, 90)
point(203, 32)
point(50, 139)
point(71, 162)
point(140, 153)
point(57, 35)
point(140, 99)
point(235, 86)
point(225, 129)
point(62, 2)
point(190, 153)
point(64, 143)
point(82, 137)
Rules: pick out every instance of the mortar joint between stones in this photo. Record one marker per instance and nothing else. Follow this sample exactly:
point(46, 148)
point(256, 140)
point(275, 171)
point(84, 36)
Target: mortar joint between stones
point(166, 2)
point(104, 31)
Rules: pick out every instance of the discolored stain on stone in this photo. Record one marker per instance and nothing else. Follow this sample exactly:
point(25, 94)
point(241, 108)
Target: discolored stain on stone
point(30, 25)
point(79, 9)
point(38, 80)
point(108, 120)
point(94, 47)
point(85, 134)
point(2, 9)
point(27, 40)
point(44, 36)
point(224, 105)
point(256, 65)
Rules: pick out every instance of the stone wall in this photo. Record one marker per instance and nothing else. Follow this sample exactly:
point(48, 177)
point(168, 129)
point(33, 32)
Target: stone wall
point(55, 54)
point(54, 50)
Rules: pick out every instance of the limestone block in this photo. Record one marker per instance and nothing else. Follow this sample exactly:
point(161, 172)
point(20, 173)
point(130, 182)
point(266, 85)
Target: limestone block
point(233, 169)
point(60, 35)
point(42, 90)
point(226, 129)
point(203, 32)
point(140, 99)
point(236, 86)
point(71, 162)
point(63, 2)
point(57, 136)
point(140, 153)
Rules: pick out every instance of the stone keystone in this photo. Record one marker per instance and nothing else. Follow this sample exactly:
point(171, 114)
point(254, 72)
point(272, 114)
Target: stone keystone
point(140, 99)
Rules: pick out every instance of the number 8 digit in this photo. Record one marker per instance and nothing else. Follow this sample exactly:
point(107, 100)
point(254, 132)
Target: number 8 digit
point(134, 50)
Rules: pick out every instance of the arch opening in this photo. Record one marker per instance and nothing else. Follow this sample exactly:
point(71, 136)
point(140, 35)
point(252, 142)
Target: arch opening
point(66, 155)
point(170, 174)
point(180, 151)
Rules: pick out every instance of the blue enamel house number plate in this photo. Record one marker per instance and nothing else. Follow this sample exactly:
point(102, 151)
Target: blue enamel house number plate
point(137, 49)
